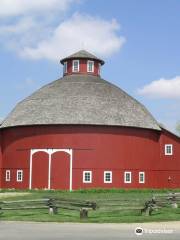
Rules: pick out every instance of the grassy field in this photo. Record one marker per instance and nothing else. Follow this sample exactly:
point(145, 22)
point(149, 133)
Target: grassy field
point(101, 215)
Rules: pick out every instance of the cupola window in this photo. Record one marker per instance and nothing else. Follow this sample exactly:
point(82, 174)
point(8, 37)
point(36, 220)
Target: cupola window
point(75, 66)
point(65, 67)
point(90, 66)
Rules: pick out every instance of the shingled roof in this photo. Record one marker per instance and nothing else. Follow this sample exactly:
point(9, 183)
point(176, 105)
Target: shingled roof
point(82, 54)
point(81, 99)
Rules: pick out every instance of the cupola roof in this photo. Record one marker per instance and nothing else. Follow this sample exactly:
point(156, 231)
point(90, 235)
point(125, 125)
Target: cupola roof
point(82, 54)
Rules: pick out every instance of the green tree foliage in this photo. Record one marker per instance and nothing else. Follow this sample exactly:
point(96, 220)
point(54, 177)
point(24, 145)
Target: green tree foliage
point(178, 127)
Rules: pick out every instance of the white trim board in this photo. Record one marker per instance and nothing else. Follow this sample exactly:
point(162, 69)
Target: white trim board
point(50, 151)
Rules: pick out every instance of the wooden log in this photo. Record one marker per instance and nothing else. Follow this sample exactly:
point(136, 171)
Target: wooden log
point(53, 210)
point(121, 208)
point(148, 211)
point(68, 207)
point(83, 213)
point(94, 205)
point(23, 208)
point(26, 201)
point(174, 205)
point(52, 206)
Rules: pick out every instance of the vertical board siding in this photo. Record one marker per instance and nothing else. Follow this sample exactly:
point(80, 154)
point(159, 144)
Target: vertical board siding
point(96, 149)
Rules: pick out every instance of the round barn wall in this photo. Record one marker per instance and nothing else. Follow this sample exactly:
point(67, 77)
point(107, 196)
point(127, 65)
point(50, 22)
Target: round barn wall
point(95, 148)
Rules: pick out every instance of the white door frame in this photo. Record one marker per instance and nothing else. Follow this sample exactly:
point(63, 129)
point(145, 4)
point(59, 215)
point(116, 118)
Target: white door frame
point(50, 151)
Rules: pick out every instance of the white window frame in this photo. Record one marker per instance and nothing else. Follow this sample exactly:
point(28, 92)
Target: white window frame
point(73, 70)
point(84, 177)
point(143, 174)
point(88, 69)
point(65, 67)
point(17, 175)
point(8, 175)
point(125, 180)
point(109, 172)
point(165, 149)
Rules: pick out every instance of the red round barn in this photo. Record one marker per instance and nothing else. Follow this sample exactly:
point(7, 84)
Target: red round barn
point(81, 131)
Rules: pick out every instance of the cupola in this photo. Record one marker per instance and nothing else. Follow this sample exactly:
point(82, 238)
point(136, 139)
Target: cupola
point(82, 62)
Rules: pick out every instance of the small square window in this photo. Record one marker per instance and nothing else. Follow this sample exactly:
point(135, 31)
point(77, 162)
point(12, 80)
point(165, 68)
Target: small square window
point(127, 177)
point(75, 66)
point(65, 67)
point(19, 175)
point(8, 175)
point(87, 176)
point(141, 177)
point(168, 149)
point(107, 177)
point(90, 66)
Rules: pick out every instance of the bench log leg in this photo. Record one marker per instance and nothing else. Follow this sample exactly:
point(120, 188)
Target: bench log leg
point(53, 210)
point(148, 211)
point(83, 213)
point(174, 205)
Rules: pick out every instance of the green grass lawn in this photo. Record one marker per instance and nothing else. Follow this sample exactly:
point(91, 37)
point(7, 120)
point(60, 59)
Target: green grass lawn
point(101, 215)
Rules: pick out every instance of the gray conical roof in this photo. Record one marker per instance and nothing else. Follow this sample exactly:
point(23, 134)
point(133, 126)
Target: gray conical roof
point(82, 54)
point(81, 99)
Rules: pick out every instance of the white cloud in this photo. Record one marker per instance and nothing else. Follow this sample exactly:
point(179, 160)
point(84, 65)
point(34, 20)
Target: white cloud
point(26, 31)
point(26, 22)
point(162, 88)
point(34, 29)
point(21, 7)
point(80, 31)
point(23, 25)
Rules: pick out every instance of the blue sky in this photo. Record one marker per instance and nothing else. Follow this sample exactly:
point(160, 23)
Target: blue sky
point(139, 41)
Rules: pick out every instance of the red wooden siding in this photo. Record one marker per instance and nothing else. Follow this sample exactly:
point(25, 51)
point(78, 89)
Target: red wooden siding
point(60, 171)
point(82, 67)
point(96, 149)
point(0, 160)
point(40, 170)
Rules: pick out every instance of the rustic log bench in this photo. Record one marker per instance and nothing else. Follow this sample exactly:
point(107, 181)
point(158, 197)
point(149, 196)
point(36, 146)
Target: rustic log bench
point(51, 204)
point(120, 205)
point(82, 206)
point(170, 199)
point(159, 201)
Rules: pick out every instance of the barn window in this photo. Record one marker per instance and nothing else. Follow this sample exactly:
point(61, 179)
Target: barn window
point(65, 67)
point(127, 177)
point(168, 149)
point(8, 175)
point(87, 176)
point(107, 177)
point(141, 177)
point(19, 175)
point(75, 66)
point(90, 66)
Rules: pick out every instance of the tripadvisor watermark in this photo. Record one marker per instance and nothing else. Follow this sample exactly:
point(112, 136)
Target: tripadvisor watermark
point(140, 231)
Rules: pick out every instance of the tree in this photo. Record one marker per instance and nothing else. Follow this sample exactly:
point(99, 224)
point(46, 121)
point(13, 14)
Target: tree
point(178, 127)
